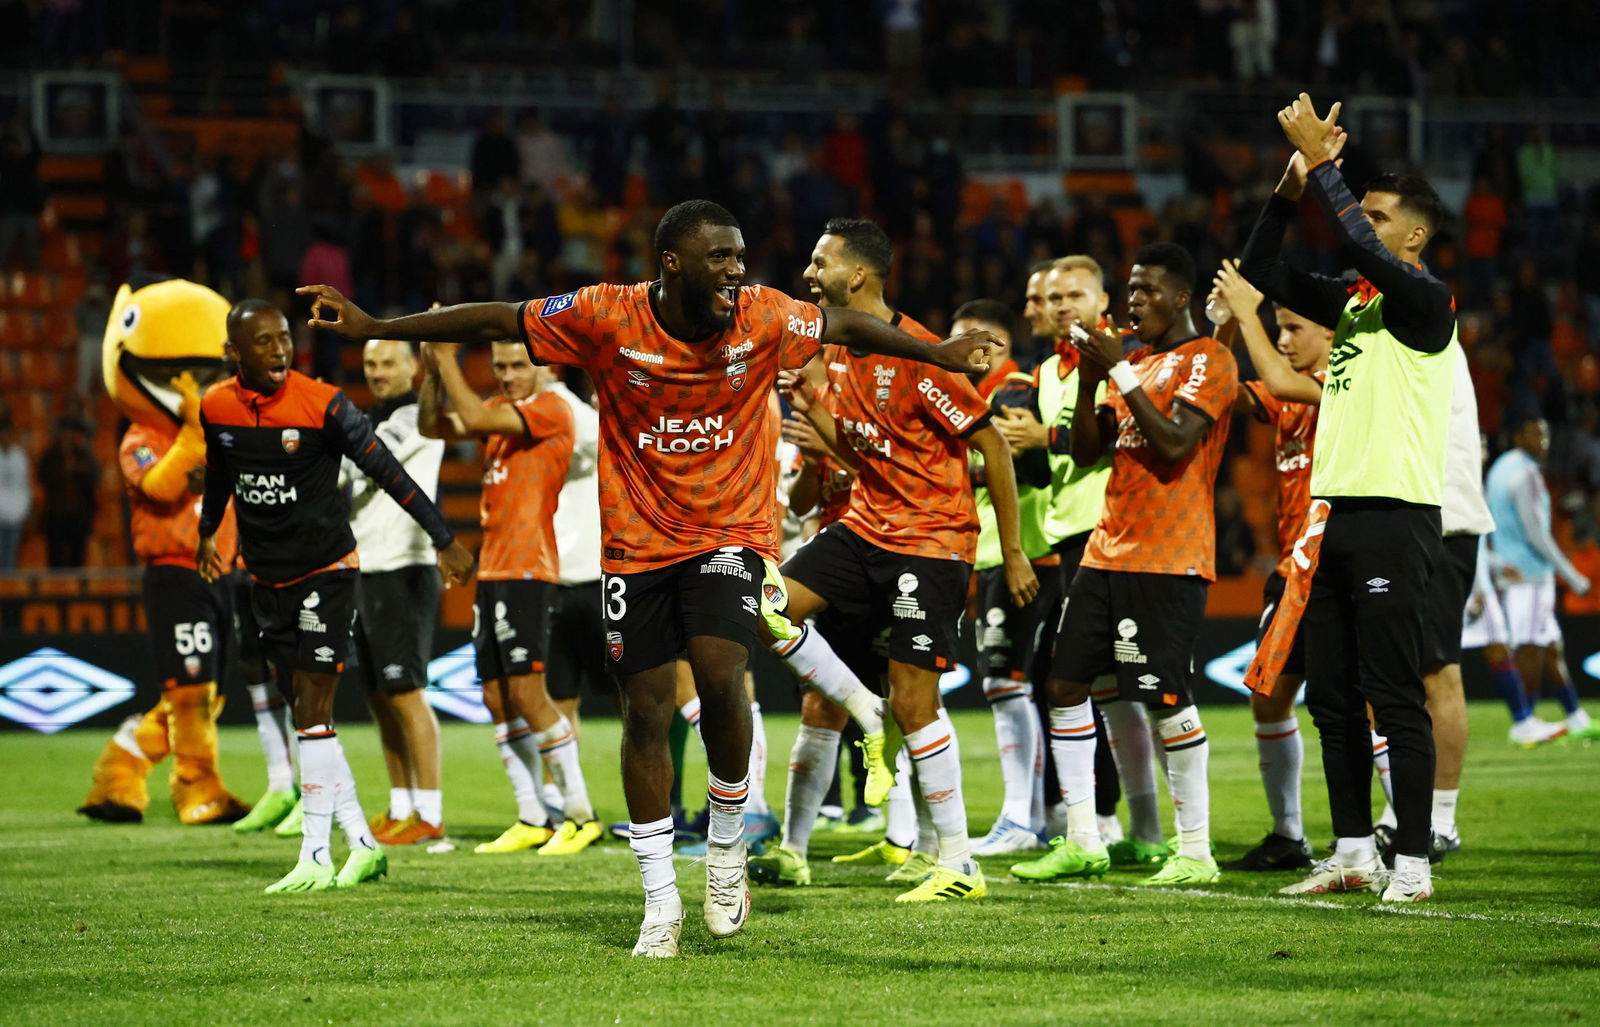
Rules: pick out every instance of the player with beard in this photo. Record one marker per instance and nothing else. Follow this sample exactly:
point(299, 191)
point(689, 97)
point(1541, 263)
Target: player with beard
point(1138, 599)
point(682, 367)
point(274, 439)
point(902, 552)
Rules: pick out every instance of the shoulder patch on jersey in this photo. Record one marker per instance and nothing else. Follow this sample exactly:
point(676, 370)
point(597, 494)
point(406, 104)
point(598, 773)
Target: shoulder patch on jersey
point(556, 304)
point(144, 457)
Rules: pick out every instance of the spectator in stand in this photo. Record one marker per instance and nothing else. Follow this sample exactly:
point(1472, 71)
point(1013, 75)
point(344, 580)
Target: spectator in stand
point(1484, 221)
point(132, 250)
point(494, 156)
point(503, 225)
point(844, 157)
point(1586, 268)
point(666, 131)
point(21, 199)
point(69, 480)
point(1540, 175)
point(610, 139)
point(1530, 314)
point(1253, 35)
point(327, 261)
point(16, 489)
point(543, 154)
point(586, 230)
point(407, 51)
point(287, 237)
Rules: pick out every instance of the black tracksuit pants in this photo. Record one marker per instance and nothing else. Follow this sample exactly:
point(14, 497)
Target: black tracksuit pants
point(1363, 631)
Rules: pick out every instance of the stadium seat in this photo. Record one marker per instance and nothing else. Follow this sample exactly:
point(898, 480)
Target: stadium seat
point(8, 370)
point(57, 332)
point(70, 287)
point(16, 329)
point(32, 290)
point(41, 370)
point(29, 409)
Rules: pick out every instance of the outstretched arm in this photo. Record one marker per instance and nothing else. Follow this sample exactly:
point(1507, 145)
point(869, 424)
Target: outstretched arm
point(962, 353)
point(465, 322)
point(1316, 297)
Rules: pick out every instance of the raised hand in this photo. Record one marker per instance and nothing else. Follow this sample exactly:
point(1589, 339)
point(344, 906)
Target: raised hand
point(797, 389)
point(1021, 429)
point(1100, 351)
point(348, 319)
point(798, 430)
point(1236, 290)
point(1318, 139)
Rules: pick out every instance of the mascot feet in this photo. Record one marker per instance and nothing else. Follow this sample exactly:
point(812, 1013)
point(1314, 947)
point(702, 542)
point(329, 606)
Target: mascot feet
point(198, 793)
point(118, 794)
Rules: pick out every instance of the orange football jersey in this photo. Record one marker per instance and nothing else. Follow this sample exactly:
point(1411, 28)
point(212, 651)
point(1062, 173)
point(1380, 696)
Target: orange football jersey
point(522, 479)
point(1158, 516)
point(165, 533)
point(1294, 431)
point(908, 423)
point(686, 461)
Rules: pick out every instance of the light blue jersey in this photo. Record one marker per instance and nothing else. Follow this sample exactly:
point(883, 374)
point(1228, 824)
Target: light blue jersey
point(1515, 479)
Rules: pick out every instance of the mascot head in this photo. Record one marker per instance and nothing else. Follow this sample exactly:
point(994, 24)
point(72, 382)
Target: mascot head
point(155, 334)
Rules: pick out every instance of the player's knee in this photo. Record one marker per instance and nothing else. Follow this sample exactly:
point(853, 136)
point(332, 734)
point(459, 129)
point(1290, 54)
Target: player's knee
point(1066, 693)
point(1275, 706)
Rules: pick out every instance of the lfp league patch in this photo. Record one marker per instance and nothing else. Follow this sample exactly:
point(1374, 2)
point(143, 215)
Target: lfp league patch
point(556, 304)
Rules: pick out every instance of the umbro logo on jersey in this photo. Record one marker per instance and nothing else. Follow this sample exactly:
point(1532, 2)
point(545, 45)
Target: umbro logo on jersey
point(1148, 682)
point(226, 438)
point(323, 653)
point(1377, 585)
point(639, 378)
point(729, 561)
point(921, 643)
point(556, 304)
point(518, 654)
point(291, 440)
point(393, 672)
point(752, 605)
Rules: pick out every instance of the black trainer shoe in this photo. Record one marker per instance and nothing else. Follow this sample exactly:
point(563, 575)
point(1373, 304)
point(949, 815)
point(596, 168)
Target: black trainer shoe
point(1439, 846)
point(1274, 853)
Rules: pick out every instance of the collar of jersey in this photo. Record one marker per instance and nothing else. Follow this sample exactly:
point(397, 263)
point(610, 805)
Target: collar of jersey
point(261, 399)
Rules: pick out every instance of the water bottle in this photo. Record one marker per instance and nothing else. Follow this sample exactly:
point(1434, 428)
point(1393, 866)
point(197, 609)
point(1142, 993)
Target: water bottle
point(1217, 311)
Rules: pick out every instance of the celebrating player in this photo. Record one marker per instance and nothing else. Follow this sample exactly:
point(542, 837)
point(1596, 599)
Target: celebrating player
point(902, 551)
point(529, 433)
point(682, 367)
point(273, 442)
point(1390, 378)
point(1286, 396)
point(397, 603)
point(1136, 604)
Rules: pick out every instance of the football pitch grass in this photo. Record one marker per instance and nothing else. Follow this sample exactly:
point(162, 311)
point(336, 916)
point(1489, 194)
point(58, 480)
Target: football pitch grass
point(162, 924)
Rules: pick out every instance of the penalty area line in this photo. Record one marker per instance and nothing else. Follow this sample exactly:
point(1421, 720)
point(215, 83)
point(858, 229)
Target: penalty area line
point(1343, 907)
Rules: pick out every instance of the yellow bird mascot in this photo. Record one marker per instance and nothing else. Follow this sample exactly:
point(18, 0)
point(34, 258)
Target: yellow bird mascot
point(163, 346)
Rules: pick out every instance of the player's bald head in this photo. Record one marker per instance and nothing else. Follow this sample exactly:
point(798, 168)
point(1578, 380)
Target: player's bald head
point(390, 366)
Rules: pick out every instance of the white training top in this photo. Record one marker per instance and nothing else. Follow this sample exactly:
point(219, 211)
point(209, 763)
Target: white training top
point(387, 539)
point(577, 517)
point(1463, 510)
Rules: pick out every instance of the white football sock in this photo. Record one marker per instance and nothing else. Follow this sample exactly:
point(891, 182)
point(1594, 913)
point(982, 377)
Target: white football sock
point(937, 753)
point(1038, 815)
point(319, 775)
point(519, 754)
point(818, 666)
point(1016, 731)
point(1281, 753)
point(1133, 750)
point(899, 811)
point(757, 802)
point(430, 805)
point(347, 806)
point(691, 712)
point(811, 765)
point(725, 801)
point(1072, 745)
point(1110, 829)
point(1380, 762)
point(401, 804)
point(927, 835)
point(1184, 739)
point(274, 729)
point(558, 747)
point(1387, 817)
point(1355, 852)
point(1444, 811)
point(652, 847)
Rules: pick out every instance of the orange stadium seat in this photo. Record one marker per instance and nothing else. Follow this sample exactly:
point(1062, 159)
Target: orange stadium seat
point(28, 408)
point(41, 370)
point(8, 370)
point(70, 287)
point(1132, 224)
point(61, 252)
point(58, 331)
point(31, 289)
point(16, 329)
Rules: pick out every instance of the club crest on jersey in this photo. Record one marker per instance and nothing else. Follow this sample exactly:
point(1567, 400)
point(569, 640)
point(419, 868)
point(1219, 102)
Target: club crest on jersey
point(773, 593)
point(291, 440)
point(736, 373)
point(556, 304)
point(614, 645)
point(191, 666)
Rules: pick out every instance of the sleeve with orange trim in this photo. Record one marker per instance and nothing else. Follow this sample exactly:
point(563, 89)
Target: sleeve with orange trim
point(1273, 654)
point(352, 434)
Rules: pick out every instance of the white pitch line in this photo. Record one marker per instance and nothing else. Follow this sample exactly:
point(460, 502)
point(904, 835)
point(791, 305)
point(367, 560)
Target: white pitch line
point(1343, 907)
point(38, 843)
